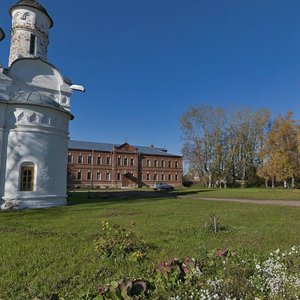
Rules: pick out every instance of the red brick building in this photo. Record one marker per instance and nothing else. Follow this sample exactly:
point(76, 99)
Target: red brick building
point(101, 165)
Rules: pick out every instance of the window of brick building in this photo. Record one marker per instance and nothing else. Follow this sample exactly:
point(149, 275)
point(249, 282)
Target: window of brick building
point(107, 176)
point(170, 177)
point(118, 176)
point(99, 160)
point(176, 164)
point(119, 161)
point(89, 159)
point(70, 158)
point(108, 160)
point(79, 175)
point(162, 177)
point(148, 177)
point(148, 163)
point(155, 163)
point(98, 175)
point(89, 175)
point(170, 164)
point(162, 163)
point(155, 177)
point(131, 161)
point(176, 177)
point(80, 159)
point(125, 161)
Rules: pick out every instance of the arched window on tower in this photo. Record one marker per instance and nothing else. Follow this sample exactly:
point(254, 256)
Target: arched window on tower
point(27, 177)
point(32, 44)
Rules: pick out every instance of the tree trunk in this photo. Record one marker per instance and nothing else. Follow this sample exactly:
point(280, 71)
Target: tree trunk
point(233, 173)
point(243, 181)
point(266, 183)
point(293, 182)
point(285, 185)
point(205, 181)
point(273, 183)
point(209, 182)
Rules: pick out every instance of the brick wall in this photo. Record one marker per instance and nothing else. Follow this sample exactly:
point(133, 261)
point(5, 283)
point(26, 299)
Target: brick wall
point(121, 169)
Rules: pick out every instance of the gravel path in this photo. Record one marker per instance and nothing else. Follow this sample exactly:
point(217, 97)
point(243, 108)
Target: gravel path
point(261, 202)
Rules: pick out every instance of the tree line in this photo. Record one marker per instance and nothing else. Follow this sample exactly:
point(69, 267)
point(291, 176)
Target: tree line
point(240, 148)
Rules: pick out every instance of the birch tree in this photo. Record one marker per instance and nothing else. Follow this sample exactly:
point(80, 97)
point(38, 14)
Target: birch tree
point(222, 147)
point(202, 133)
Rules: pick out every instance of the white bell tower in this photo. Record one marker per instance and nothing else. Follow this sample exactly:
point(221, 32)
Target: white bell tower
point(30, 27)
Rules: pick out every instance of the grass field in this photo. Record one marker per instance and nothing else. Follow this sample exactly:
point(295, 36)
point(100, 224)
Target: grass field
point(247, 193)
point(51, 251)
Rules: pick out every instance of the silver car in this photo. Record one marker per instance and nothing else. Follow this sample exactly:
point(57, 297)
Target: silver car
point(159, 186)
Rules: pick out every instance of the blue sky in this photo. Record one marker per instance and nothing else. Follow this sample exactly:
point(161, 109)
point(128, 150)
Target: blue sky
point(145, 62)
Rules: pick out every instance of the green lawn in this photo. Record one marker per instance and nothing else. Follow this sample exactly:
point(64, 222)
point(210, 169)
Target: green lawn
point(51, 251)
point(246, 193)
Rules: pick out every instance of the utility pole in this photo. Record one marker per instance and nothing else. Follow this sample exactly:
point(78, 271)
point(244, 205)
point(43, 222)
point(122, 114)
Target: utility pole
point(92, 178)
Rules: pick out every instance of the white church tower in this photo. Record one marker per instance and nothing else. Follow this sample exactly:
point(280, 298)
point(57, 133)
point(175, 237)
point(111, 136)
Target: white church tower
point(34, 115)
point(30, 28)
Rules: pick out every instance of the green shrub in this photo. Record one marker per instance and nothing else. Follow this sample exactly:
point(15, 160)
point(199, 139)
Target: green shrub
point(117, 242)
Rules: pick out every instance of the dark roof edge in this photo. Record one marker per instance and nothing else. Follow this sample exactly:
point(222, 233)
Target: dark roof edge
point(163, 154)
point(78, 148)
point(2, 34)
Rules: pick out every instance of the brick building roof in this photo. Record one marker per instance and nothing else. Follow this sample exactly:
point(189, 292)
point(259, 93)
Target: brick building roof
point(106, 147)
point(34, 4)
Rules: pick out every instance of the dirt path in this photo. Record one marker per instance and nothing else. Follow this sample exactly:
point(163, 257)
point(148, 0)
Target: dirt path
point(261, 202)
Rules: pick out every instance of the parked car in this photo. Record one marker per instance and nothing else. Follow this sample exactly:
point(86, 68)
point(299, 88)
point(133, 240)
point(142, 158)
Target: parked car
point(159, 186)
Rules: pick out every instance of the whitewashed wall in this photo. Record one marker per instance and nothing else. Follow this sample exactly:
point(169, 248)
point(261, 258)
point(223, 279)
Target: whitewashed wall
point(38, 135)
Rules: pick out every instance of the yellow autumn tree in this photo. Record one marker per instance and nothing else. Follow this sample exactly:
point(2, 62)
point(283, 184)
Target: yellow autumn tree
point(280, 154)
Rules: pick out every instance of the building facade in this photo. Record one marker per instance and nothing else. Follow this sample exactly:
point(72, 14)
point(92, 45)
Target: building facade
point(101, 165)
point(34, 115)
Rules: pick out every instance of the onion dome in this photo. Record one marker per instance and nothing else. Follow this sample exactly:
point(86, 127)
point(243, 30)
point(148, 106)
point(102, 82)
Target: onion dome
point(2, 35)
point(34, 4)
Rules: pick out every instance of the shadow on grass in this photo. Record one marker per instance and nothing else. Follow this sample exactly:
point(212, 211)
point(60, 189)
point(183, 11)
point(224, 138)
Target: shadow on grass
point(120, 196)
point(192, 192)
